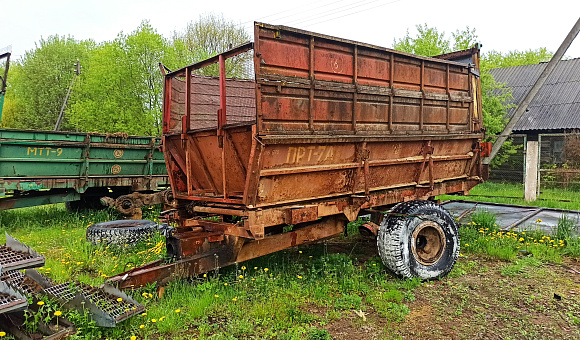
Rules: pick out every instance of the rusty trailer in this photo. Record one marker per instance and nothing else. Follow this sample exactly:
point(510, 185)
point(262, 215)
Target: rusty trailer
point(326, 130)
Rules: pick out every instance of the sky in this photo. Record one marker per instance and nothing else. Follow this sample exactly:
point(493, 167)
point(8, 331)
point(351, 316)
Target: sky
point(501, 25)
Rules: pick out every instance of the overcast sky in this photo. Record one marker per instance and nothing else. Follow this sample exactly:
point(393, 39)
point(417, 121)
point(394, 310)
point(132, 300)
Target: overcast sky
point(501, 25)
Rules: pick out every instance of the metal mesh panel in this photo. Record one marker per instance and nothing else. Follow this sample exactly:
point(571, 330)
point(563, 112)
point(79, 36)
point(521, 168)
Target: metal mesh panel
point(109, 304)
point(205, 102)
point(509, 167)
point(559, 161)
point(13, 259)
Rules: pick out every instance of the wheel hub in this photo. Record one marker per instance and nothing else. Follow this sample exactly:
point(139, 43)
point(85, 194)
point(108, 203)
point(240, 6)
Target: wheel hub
point(428, 243)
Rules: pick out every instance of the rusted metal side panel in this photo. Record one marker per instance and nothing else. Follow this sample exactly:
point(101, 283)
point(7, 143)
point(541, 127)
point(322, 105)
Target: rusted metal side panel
point(310, 83)
point(292, 173)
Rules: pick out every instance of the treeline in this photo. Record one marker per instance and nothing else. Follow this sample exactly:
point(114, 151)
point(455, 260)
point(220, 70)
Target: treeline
point(120, 86)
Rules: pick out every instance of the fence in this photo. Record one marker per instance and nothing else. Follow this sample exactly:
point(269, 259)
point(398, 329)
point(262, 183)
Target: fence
point(509, 164)
point(559, 163)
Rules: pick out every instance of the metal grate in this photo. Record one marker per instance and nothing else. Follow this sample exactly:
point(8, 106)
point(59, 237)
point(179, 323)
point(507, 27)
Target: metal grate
point(108, 303)
point(15, 255)
point(10, 300)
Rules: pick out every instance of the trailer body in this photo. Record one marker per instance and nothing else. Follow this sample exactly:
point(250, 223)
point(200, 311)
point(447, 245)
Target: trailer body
point(326, 129)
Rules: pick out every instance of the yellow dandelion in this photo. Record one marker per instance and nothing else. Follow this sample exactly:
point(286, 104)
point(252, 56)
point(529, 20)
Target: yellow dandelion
point(57, 313)
point(300, 277)
point(133, 338)
point(235, 299)
point(154, 320)
point(539, 220)
point(178, 311)
point(119, 299)
point(300, 252)
point(241, 276)
point(217, 296)
point(265, 269)
point(255, 268)
point(225, 284)
point(142, 326)
point(521, 239)
point(40, 303)
point(243, 267)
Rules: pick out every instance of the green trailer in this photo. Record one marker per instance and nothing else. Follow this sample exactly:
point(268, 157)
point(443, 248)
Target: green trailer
point(42, 167)
point(82, 169)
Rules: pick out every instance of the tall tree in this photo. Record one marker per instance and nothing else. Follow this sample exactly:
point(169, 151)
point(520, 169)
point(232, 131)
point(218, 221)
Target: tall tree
point(212, 34)
point(121, 87)
point(39, 82)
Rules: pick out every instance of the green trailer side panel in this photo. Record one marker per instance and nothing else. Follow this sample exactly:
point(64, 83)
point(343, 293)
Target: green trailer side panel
point(34, 160)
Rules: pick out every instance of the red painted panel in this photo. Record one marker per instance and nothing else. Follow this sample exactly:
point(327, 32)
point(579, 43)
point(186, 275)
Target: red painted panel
point(333, 62)
point(373, 68)
point(282, 53)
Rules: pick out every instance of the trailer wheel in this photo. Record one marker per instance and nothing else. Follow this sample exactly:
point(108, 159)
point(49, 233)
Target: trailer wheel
point(120, 233)
point(422, 241)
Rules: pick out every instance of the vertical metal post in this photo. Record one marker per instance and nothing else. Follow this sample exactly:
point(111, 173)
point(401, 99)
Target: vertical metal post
point(355, 83)
point(392, 81)
point(186, 123)
point(538, 165)
point(222, 120)
point(222, 111)
point(447, 119)
point(61, 114)
point(421, 118)
point(311, 94)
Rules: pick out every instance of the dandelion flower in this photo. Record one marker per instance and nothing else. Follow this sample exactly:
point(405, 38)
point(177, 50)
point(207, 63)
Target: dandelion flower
point(265, 269)
point(243, 267)
point(539, 220)
point(178, 311)
point(154, 320)
point(300, 251)
point(255, 268)
point(241, 276)
point(133, 338)
point(204, 275)
point(235, 299)
point(161, 318)
point(225, 284)
point(2, 334)
point(300, 277)
point(144, 314)
point(119, 299)
point(40, 303)
point(150, 295)
point(57, 313)
point(521, 239)
point(142, 326)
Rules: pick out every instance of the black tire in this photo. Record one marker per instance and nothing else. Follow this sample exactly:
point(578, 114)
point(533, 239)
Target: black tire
point(120, 233)
point(423, 245)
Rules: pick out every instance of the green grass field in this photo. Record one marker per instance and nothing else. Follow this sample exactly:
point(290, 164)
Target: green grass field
point(334, 289)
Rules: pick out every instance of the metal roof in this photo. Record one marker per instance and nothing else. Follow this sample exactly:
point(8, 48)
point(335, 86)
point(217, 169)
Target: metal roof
point(557, 105)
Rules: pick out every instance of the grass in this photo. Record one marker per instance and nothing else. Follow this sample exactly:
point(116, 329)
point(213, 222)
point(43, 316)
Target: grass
point(511, 193)
point(233, 302)
point(310, 292)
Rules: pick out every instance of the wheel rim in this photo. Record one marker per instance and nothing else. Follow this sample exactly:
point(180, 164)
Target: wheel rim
point(428, 242)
